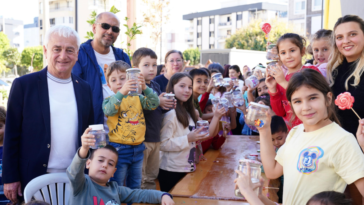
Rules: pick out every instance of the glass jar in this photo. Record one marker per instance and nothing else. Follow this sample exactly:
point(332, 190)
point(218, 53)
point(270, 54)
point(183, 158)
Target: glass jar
point(215, 102)
point(169, 96)
point(256, 114)
point(218, 80)
point(223, 103)
point(204, 124)
point(252, 81)
point(238, 99)
point(270, 65)
point(227, 82)
point(133, 73)
point(255, 173)
point(100, 136)
point(272, 52)
point(229, 97)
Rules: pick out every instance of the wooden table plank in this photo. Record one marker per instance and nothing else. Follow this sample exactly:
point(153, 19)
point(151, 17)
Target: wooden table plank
point(214, 178)
point(191, 201)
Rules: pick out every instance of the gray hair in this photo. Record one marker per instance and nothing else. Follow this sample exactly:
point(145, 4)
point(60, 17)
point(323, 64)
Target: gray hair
point(61, 30)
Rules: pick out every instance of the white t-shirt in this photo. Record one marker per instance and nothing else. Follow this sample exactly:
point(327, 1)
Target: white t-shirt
point(323, 160)
point(64, 123)
point(104, 60)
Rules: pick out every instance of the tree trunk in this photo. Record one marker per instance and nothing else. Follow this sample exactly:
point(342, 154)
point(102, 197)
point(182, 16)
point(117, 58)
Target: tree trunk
point(16, 71)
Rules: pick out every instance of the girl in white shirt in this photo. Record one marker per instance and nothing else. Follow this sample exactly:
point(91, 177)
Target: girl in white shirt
point(318, 154)
point(178, 141)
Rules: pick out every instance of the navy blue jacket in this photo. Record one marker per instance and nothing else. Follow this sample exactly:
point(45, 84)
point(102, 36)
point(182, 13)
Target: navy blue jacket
point(88, 69)
point(28, 130)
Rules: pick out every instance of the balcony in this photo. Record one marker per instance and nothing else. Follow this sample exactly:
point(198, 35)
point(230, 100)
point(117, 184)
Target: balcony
point(225, 23)
point(60, 9)
point(223, 38)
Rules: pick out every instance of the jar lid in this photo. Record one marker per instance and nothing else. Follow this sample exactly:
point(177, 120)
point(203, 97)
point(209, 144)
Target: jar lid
point(169, 95)
point(202, 121)
point(259, 105)
point(133, 70)
point(250, 161)
point(97, 127)
point(216, 74)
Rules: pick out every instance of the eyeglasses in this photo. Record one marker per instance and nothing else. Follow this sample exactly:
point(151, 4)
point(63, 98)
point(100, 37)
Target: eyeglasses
point(178, 61)
point(107, 26)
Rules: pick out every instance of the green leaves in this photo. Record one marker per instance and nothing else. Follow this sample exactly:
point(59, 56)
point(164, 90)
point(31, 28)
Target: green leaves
point(114, 10)
point(32, 55)
point(193, 55)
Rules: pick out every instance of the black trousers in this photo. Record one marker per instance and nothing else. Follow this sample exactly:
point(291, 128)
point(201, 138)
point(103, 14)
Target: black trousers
point(167, 180)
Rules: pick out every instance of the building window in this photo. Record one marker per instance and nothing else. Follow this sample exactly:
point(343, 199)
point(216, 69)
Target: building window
point(211, 46)
point(56, 5)
point(199, 35)
point(41, 39)
point(95, 2)
point(228, 19)
point(52, 21)
point(199, 47)
point(68, 4)
point(228, 32)
point(212, 33)
point(212, 20)
point(239, 17)
point(299, 6)
point(41, 8)
point(316, 5)
point(71, 19)
point(1, 27)
point(40, 24)
point(199, 22)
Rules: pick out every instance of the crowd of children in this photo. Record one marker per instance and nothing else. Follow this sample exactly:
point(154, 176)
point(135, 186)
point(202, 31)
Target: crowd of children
point(305, 137)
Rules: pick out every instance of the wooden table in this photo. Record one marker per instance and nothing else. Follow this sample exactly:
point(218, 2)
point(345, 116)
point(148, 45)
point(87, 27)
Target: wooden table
point(214, 178)
point(213, 181)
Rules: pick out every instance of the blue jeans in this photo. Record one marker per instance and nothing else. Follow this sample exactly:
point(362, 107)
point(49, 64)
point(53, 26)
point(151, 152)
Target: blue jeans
point(129, 166)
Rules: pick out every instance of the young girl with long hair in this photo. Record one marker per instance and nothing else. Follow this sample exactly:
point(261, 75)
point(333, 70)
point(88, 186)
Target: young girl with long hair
point(178, 139)
point(291, 49)
point(318, 154)
point(346, 67)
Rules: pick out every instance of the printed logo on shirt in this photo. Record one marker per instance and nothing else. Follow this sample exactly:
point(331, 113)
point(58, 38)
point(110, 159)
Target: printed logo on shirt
point(308, 160)
point(111, 202)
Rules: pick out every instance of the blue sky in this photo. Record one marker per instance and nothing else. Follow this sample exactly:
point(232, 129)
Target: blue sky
point(24, 10)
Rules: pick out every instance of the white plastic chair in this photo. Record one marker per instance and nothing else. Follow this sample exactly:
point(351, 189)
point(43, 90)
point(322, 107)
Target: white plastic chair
point(51, 188)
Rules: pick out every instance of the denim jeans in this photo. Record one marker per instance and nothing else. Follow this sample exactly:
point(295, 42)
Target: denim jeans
point(129, 166)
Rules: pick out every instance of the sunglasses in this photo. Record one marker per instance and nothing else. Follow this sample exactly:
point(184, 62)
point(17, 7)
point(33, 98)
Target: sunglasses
point(107, 26)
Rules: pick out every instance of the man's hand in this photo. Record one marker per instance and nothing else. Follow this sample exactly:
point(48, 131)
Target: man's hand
point(130, 85)
point(12, 191)
point(166, 104)
point(141, 80)
point(167, 200)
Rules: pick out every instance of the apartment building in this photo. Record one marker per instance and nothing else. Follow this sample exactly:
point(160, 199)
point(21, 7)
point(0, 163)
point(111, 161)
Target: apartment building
point(14, 30)
point(210, 29)
point(31, 33)
point(306, 16)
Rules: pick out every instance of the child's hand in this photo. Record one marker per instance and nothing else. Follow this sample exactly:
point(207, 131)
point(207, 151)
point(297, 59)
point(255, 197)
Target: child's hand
point(242, 108)
point(219, 112)
point(87, 140)
point(166, 104)
point(267, 122)
point(244, 182)
point(210, 86)
point(195, 136)
point(141, 80)
point(260, 74)
point(130, 85)
point(360, 133)
point(278, 74)
point(231, 86)
point(167, 200)
point(271, 84)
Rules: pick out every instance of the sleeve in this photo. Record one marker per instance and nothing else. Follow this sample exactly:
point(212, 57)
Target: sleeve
point(91, 116)
point(217, 142)
point(111, 105)
point(203, 101)
point(169, 142)
point(128, 195)
point(276, 102)
point(150, 100)
point(13, 129)
point(348, 159)
point(242, 120)
point(126, 58)
point(77, 69)
point(75, 173)
point(280, 155)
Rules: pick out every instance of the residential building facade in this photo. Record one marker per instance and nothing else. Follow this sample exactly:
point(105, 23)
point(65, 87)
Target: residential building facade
point(210, 29)
point(14, 29)
point(31, 31)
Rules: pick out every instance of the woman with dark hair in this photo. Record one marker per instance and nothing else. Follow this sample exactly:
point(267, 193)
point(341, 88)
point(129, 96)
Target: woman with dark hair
point(160, 69)
point(173, 64)
point(226, 71)
point(216, 66)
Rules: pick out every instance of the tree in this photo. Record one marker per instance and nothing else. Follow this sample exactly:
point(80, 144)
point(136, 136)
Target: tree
point(252, 36)
point(193, 55)
point(131, 32)
point(12, 57)
point(157, 14)
point(4, 45)
point(32, 56)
